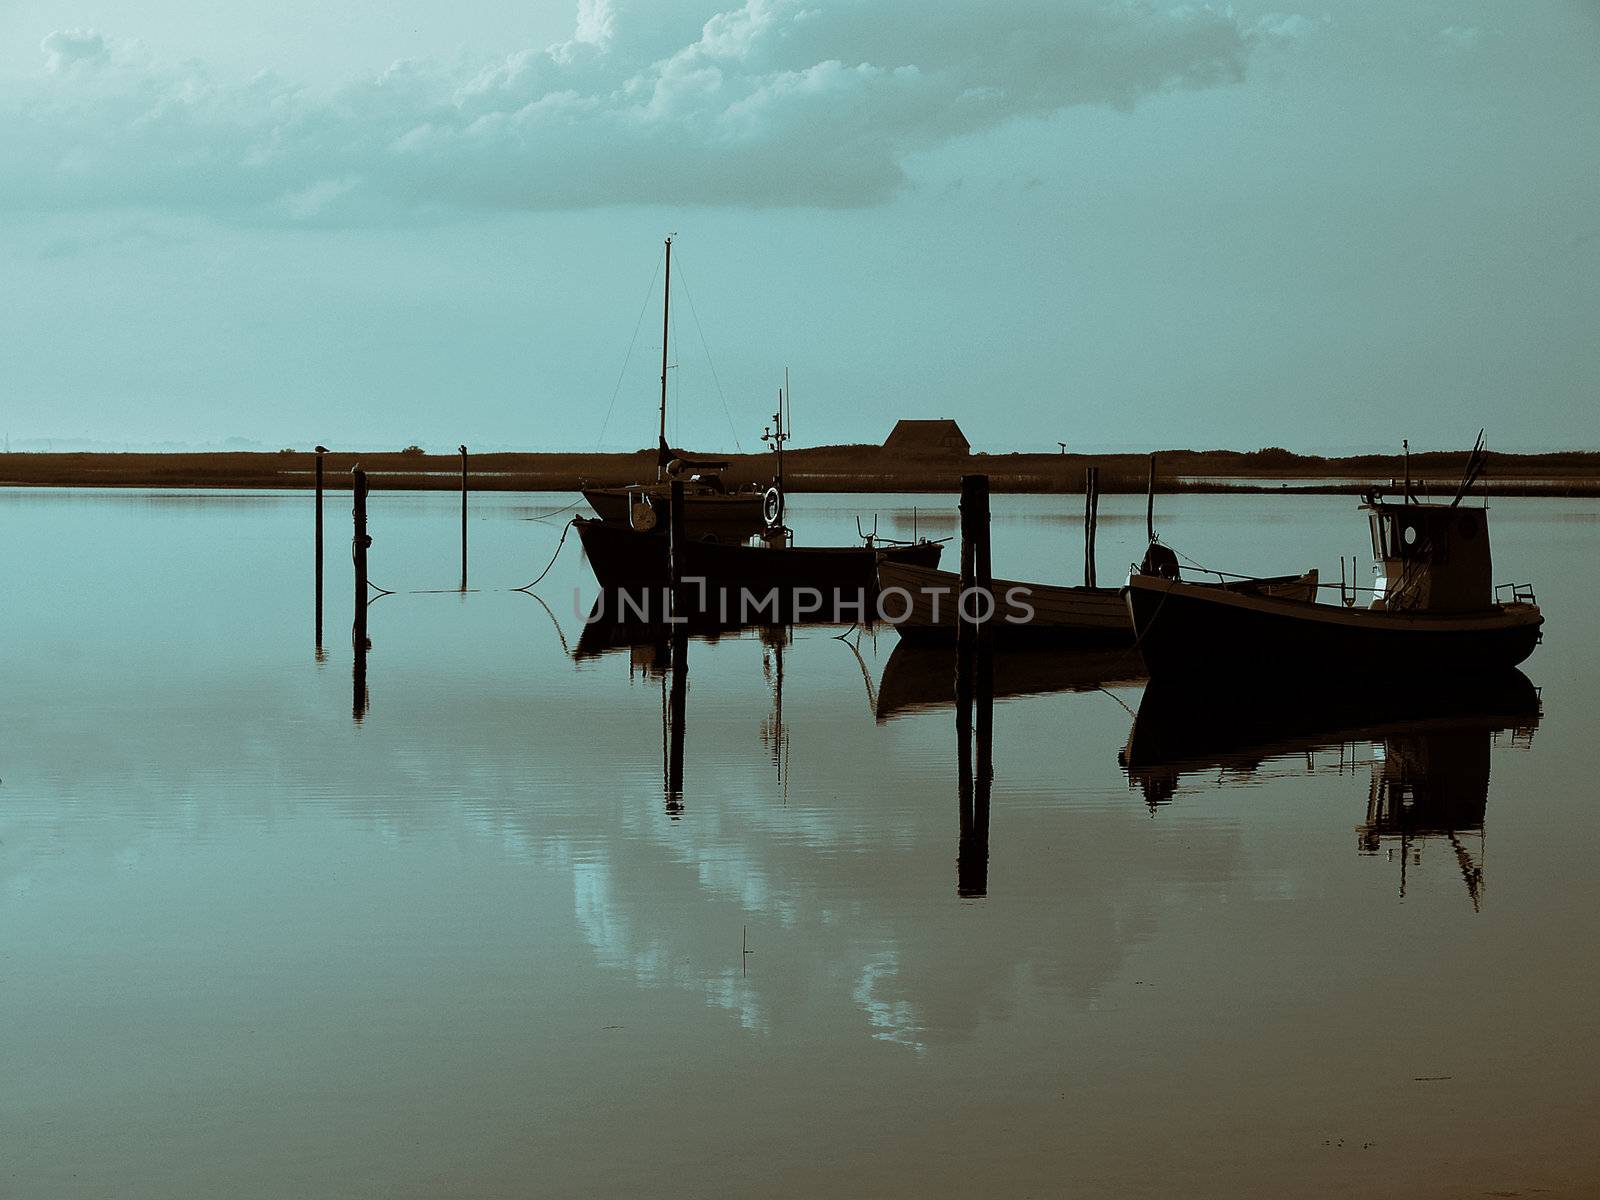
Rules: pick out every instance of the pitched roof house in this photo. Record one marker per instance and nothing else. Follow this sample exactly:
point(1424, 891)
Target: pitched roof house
point(924, 439)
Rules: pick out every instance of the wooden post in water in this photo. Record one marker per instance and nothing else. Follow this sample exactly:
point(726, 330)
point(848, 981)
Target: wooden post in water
point(1091, 518)
point(320, 451)
point(974, 683)
point(974, 600)
point(1150, 504)
point(360, 542)
point(463, 518)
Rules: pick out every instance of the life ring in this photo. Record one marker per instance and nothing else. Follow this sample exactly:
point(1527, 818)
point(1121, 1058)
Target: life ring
point(772, 506)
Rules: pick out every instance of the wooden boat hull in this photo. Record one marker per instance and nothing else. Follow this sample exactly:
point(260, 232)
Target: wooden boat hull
point(923, 606)
point(744, 583)
point(723, 516)
point(921, 603)
point(1192, 631)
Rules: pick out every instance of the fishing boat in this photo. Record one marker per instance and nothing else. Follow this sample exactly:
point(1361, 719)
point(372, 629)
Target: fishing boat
point(712, 510)
point(1434, 612)
point(746, 581)
point(923, 605)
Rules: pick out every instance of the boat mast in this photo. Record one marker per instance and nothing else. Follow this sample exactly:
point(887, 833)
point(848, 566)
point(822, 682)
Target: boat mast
point(666, 301)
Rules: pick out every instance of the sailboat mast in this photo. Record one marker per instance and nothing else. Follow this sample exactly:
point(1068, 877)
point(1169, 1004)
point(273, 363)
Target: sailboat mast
point(666, 302)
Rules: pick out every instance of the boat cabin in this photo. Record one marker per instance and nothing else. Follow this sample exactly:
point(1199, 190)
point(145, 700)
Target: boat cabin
point(1434, 557)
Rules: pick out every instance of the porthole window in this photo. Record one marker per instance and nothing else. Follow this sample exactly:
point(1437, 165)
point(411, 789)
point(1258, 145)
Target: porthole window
point(1410, 535)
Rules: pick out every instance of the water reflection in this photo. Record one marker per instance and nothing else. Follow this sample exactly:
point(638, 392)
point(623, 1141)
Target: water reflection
point(1427, 752)
point(360, 698)
point(917, 678)
point(974, 783)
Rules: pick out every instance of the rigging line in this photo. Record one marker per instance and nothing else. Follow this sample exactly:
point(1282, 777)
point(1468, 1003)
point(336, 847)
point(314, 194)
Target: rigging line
point(616, 391)
point(710, 362)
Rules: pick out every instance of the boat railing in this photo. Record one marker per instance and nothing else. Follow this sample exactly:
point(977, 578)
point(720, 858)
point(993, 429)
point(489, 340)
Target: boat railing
point(1514, 593)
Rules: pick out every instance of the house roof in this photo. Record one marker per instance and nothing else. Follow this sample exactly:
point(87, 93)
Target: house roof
point(943, 436)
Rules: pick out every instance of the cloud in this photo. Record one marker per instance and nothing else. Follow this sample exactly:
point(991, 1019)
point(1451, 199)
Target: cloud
point(774, 103)
point(66, 49)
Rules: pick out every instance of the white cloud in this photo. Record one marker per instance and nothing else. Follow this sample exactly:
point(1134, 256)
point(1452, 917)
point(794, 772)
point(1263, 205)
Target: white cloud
point(69, 48)
point(776, 102)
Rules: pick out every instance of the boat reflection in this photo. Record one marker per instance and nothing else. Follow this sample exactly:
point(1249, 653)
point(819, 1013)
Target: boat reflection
point(1427, 750)
point(921, 677)
point(660, 651)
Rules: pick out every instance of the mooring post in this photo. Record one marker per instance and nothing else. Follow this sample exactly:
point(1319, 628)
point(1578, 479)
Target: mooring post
point(677, 540)
point(359, 546)
point(1150, 504)
point(1091, 517)
point(975, 598)
point(463, 518)
point(320, 451)
point(974, 687)
point(983, 680)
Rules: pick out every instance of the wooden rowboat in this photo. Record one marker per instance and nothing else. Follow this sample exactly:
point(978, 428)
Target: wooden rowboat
point(921, 603)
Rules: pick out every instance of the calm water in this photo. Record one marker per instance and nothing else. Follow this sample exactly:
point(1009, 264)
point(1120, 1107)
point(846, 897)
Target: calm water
point(465, 946)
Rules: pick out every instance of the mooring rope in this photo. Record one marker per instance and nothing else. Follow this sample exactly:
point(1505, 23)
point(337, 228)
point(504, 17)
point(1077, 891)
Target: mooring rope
point(383, 591)
point(528, 587)
point(557, 512)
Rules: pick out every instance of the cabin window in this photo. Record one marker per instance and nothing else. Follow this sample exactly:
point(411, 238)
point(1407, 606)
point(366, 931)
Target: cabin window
point(1410, 535)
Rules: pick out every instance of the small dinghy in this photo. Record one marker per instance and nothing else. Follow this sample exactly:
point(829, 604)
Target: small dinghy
point(922, 605)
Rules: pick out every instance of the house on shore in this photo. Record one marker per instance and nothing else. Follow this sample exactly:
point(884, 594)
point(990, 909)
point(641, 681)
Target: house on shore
point(927, 439)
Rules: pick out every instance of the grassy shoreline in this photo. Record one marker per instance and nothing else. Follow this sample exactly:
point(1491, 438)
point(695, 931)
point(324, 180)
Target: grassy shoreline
point(818, 469)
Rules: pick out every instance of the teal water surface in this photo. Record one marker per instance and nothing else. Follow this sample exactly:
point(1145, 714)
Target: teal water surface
point(253, 944)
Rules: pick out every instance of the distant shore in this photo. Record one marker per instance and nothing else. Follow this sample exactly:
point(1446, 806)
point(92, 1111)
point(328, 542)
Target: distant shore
point(821, 469)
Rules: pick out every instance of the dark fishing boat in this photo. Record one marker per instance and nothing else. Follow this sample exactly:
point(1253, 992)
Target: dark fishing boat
point(712, 510)
point(746, 582)
point(1435, 611)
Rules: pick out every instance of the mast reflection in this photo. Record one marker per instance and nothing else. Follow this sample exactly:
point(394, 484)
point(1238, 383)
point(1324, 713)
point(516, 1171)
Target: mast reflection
point(1427, 751)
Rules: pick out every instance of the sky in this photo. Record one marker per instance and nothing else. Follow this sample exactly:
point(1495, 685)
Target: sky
point(1117, 224)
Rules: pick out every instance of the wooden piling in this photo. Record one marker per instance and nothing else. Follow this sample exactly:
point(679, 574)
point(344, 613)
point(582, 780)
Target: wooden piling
point(463, 518)
point(1150, 504)
point(319, 453)
point(974, 533)
point(1091, 518)
point(360, 542)
point(972, 637)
